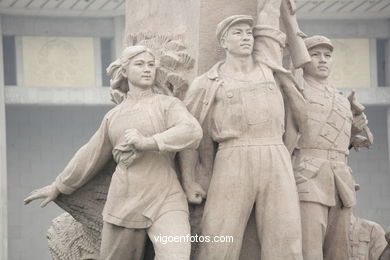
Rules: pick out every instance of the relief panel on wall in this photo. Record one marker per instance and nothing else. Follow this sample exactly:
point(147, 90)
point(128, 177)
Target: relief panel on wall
point(58, 61)
point(351, 63)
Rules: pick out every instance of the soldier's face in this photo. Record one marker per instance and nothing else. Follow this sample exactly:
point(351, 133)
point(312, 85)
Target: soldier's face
point(321, 62)
point(238, 40)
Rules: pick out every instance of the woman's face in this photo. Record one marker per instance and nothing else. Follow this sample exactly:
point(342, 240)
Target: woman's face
point(141, 70)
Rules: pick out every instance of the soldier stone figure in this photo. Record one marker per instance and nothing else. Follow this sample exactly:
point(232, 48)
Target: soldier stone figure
point(326, 127)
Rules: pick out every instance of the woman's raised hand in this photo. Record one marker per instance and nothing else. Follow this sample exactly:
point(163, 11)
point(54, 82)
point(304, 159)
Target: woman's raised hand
point(48, 193)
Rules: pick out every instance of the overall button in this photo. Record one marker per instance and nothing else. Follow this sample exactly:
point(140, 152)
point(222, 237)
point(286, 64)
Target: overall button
point(229, 94)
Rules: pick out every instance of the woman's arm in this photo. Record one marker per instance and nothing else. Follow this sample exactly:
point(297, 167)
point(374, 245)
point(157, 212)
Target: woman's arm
point(84, 165)
point(183, 130)
point(88, 160)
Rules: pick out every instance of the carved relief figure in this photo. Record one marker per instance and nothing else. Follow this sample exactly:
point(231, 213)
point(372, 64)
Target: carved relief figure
point(142, 134)
point(386, 253)
point(327, 126)
point(241, 110)
point(366, 238)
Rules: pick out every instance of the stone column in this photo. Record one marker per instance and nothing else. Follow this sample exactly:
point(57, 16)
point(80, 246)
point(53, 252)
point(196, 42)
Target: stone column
point(3, 164)
point(387, 83)
point(119, 28)
point(194, 22)
point(388, 134)
point(387, 63)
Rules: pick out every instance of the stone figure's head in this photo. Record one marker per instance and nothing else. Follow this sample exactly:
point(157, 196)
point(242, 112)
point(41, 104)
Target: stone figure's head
point(235, 35)
point(320, 50)
point(136, 66)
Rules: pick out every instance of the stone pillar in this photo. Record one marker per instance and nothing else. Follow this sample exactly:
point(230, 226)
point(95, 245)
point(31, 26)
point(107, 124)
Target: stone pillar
point(387, 83)
point(3, 164)
point(194, 22)
point(119, 28)
point(387, 63)
point(388, 134)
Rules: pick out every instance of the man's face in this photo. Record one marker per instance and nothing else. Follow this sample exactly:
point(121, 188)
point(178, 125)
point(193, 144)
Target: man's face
point(238, 39)
point(321, 62)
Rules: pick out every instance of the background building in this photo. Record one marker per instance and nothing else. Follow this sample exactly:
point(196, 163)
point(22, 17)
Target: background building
point(54, 93)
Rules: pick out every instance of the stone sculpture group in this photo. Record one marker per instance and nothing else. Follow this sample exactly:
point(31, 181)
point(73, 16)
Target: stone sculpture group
point(248, 135)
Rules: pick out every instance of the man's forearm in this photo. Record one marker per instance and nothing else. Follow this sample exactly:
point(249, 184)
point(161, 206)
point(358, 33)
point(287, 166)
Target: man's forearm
point(188, 160)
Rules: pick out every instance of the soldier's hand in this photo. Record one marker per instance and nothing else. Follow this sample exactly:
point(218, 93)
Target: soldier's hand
point(358, 123)
point(360, 141)
point(48, 193)
point(195, 193)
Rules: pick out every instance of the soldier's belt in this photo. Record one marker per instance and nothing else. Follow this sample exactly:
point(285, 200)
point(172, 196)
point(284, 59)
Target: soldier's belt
point(331, 155)
point(250, 142)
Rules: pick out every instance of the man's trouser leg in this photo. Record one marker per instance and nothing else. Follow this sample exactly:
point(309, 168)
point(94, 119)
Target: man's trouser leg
point(336, 244)
point(170, 235)
point(277, 205)
point(120, 243)
point(228, 205)
point(314, 218)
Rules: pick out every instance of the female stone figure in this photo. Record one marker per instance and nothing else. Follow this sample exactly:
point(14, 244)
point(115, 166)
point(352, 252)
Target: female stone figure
point(142, 134)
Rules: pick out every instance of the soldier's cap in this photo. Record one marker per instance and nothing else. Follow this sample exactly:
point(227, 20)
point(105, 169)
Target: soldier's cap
point(316, 40)
point(226, 23)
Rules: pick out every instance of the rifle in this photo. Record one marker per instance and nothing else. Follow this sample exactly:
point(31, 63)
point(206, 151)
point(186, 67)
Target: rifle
point(358, 109)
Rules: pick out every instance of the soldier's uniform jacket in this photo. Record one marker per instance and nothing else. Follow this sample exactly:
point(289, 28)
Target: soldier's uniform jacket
point(367, 240)
point(320, 166)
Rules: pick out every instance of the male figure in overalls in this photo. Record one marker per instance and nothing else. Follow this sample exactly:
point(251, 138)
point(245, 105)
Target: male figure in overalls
point(241, 110)
point(325, 184)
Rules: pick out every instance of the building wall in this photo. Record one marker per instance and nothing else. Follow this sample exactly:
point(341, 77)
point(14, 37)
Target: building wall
point(371, 171)
point(40, 141)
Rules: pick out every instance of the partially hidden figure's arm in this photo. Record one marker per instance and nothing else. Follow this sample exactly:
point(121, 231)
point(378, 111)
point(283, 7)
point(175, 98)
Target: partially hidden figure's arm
point(88, 160)
point(268, 49)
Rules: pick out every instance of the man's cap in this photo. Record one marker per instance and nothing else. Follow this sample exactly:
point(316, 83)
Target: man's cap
point(226, 23)
point(316, 40)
